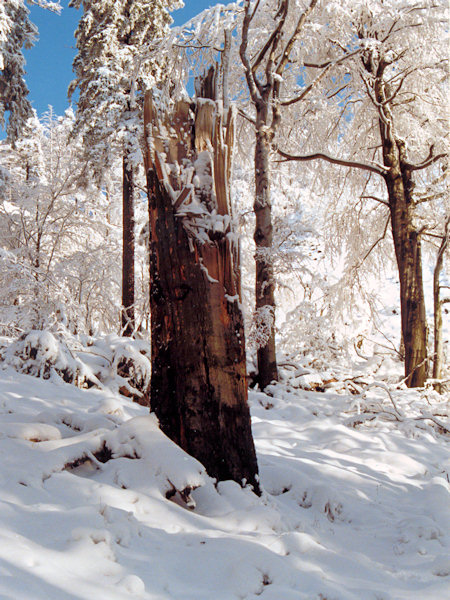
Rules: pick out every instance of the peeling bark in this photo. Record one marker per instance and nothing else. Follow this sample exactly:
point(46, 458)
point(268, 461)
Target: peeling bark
point(198, 387)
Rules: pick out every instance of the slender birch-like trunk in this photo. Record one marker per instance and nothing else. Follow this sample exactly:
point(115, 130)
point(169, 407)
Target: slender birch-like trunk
point(128, 248)
point(437, 302)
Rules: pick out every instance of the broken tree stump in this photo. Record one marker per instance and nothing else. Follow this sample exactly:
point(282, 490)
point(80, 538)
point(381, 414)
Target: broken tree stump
point(198, 386)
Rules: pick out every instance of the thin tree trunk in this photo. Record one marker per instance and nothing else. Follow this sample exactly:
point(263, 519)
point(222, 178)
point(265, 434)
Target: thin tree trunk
point(438, 337)
point(198, 387)
point(264, 283)
point(128, 319)
point(225, 64)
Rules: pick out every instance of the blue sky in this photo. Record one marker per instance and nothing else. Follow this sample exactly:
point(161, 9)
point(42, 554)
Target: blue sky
point(49, 62)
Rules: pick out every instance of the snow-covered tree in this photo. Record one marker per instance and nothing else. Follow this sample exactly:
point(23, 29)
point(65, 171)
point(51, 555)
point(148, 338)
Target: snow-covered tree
point(16, 32)
point(267, 52)
point(392, 126)
point(110, 79)
point(442, 250)
point(56, 232)
point(264, 75)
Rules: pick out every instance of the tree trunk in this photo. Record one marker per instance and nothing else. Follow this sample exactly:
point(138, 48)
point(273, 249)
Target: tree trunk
point(264, 283)
point(412, 301)
point(128, 319)
point(406, 238)
point(438, 338)
point(198, 387)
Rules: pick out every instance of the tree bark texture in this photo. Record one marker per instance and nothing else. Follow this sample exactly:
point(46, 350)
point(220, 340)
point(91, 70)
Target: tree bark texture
point(265, 281)
point(127, 317)
point(198, 387)
point(407, 243)
point(409, 261)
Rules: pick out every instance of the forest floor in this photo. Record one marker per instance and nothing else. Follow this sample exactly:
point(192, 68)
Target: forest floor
point(355, 503)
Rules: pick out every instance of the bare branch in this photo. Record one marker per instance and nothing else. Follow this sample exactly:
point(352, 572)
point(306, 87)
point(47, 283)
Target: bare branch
point(338, 91)
point(319, 77)
point(375, 244)
point(405, 379)
point(251, 81)
point(378, 169)
point(394, 93)
point(255, 9)
point(394, 23)
point(430, 197)
point(272, 38)
point(306, 91)
point(246, 117)
point(380, 107)
point(290, 43)
point(377, 199)
point(428, 161)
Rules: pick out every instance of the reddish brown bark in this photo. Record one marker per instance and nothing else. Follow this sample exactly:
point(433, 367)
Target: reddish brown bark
point(198, 386)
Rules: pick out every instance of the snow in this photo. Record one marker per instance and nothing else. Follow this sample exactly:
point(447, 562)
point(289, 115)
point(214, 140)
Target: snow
point(96, 502)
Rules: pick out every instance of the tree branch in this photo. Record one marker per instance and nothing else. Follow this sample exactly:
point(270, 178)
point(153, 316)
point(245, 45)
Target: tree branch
point(254, 10)
point(378, 169)
point(290, 43)
point(427, 162)
point(375, 244)
point(380, 200)
point(251, 82)
point(246, 117)
point(272, 38)
point(317, 80)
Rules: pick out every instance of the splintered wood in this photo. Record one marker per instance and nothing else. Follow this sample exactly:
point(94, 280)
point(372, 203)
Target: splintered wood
point(190, 149)
point(198, 387)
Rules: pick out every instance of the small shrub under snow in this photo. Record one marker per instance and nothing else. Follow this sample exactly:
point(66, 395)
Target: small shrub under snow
point(120, 364)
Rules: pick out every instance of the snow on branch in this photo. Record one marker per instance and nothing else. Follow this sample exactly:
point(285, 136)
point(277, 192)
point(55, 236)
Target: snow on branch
point(373, 168)
point(431, 158)
point(327, 67)
point(53, 6)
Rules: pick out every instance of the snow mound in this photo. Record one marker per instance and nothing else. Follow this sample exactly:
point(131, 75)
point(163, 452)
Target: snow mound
point(96, 502)
point(164, 462)
point(119, 364)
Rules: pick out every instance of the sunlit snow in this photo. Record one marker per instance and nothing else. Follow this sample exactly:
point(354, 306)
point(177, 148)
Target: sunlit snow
point(95, 502)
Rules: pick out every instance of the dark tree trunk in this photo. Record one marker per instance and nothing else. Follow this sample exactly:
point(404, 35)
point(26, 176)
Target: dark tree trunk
point(128, 319)
point(406, 238)
point(264, 282)
point(198, 387)
point(412, 301)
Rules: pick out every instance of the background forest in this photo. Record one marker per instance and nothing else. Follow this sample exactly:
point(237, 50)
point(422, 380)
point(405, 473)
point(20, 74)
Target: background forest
point(306, 142)
point(329, 257)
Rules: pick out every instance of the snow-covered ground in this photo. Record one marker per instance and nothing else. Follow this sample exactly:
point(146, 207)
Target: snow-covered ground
point(355, 506)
